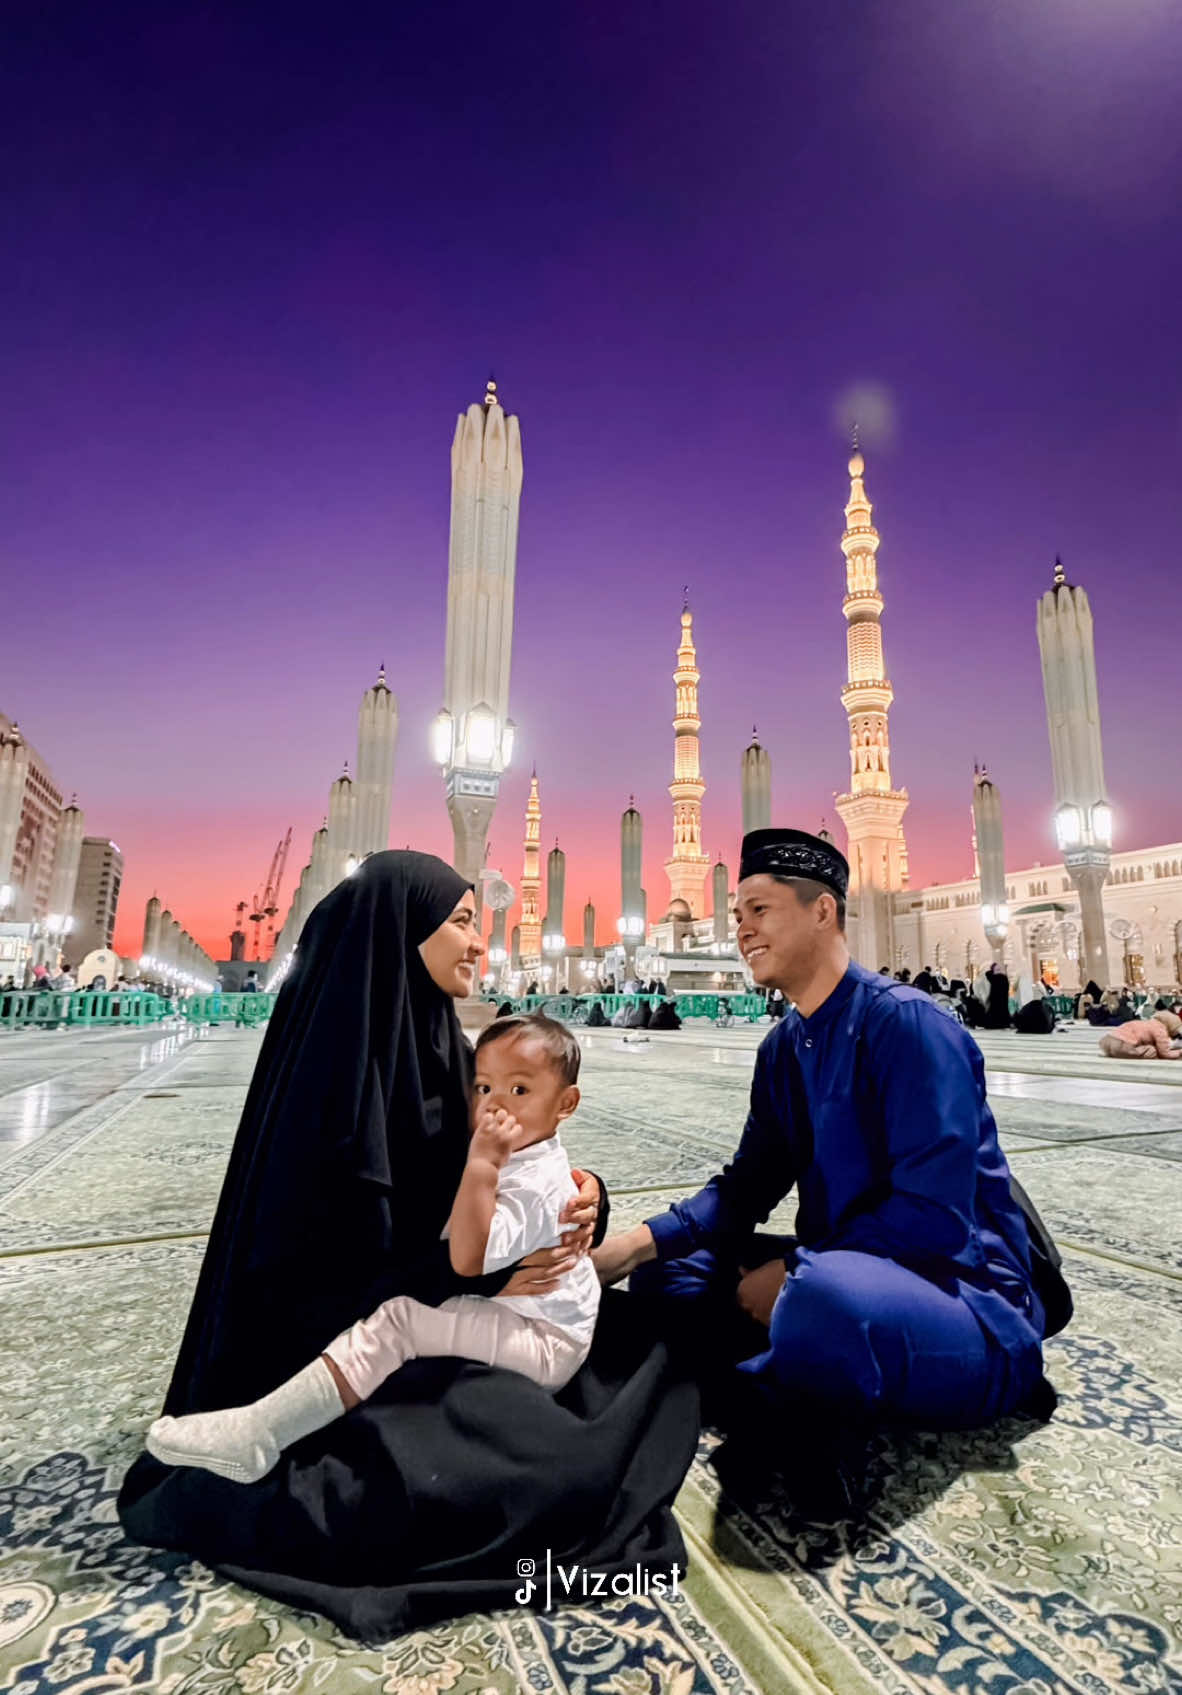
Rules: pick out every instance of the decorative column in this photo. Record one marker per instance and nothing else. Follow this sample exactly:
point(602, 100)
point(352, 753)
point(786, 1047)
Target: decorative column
point(66, 855)
point(688, 866)
point(1083, 816)
point(722, 900)
point(14, 770)
point(377, 738)
point(756, 786)
point(342, 828)
point(872, 811)
point(531, 880)
point(630, 924)
point(151, 943)
point(317, 876)
point(554, 936)
point(473, 734)
point(991, 861)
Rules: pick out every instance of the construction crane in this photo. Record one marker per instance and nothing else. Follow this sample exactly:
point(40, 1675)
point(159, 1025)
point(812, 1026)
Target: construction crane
point(264, 909)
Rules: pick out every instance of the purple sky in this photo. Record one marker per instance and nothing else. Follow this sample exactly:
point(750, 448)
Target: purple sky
point(257, 259)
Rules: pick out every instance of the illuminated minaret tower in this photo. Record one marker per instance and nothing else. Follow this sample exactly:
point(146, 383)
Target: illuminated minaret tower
point(473, 733)
point(688, 867)
point(531, 878)
point(872, 811)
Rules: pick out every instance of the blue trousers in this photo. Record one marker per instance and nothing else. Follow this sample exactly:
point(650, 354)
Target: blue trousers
point(851, 1334)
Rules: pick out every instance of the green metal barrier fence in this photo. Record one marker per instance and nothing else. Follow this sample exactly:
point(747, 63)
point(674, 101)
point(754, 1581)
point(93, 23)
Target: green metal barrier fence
point(573, 1009)
point(30, 1009)
point(239, 1010)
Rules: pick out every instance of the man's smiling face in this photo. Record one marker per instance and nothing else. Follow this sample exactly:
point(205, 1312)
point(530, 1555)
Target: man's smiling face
point(777, 935)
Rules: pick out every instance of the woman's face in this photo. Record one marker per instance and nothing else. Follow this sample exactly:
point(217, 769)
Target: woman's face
point(452, 952)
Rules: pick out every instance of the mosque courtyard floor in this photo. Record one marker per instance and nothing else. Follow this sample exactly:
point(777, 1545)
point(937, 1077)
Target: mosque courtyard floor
point(1027, 1560)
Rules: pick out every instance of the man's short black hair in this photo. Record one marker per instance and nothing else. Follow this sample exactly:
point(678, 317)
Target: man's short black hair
point(561, 1048)
point(807, 891)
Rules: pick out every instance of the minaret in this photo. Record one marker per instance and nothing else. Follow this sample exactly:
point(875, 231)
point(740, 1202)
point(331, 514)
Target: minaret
point(756, 786)
point(631, 920)
point(377, 737)
point(688, 866)
point(531, 879)
point(872, 811)
point(589, 931)
point(473, 735)
point(721, 891)
point(991, 860)
point(1083, 816)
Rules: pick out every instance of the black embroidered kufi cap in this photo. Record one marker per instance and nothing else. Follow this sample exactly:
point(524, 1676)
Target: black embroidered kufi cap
point(794, 853)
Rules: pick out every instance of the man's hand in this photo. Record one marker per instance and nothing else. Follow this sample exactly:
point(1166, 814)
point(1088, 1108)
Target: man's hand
point(495, 1137)
point(621, 1254)
point(581, 1210)
point(759, 1289)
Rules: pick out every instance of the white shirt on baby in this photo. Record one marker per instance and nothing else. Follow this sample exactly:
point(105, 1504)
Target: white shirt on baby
point(534, 1185)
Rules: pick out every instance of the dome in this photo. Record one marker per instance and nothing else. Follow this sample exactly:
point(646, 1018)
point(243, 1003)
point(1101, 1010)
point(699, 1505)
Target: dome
point(679, 909)
point(857, 464)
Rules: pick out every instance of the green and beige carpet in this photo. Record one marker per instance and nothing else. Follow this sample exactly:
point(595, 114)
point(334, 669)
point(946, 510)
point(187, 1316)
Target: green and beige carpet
point(1029, 1560)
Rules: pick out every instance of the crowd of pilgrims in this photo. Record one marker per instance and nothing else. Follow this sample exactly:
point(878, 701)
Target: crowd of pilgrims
point(990, 1003)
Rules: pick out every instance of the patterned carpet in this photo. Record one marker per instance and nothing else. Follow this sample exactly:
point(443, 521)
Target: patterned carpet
point(1030, 1560)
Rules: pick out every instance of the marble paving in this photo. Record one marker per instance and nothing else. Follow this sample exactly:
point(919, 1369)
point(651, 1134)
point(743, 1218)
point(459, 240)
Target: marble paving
point(1029, 1560)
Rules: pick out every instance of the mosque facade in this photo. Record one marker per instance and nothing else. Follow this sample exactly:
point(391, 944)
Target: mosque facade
point(1115, 916)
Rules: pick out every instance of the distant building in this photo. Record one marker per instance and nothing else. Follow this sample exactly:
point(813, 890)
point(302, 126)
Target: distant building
point(96, 896)
point(30, 805)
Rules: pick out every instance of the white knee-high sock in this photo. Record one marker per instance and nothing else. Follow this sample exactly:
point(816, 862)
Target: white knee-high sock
point(243, 1443)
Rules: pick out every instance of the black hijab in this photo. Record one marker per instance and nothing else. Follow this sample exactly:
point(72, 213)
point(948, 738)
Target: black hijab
point(351, 1142)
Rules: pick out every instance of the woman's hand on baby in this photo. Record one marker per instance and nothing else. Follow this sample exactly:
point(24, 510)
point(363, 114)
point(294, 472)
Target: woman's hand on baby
point(541, 1272)
point(495, 1137)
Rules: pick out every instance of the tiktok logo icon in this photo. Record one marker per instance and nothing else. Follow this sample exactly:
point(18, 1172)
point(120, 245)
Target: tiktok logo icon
point(526, 1569)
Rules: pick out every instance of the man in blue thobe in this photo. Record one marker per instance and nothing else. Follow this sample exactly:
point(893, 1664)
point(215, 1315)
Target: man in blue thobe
point(905, 1295)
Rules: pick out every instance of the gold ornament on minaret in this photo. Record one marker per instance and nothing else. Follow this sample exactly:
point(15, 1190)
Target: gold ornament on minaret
point(872, 811)
point(688, 867)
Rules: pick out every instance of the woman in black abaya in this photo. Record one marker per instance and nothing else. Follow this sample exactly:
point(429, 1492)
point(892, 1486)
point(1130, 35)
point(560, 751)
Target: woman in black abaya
point(418, 1504)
